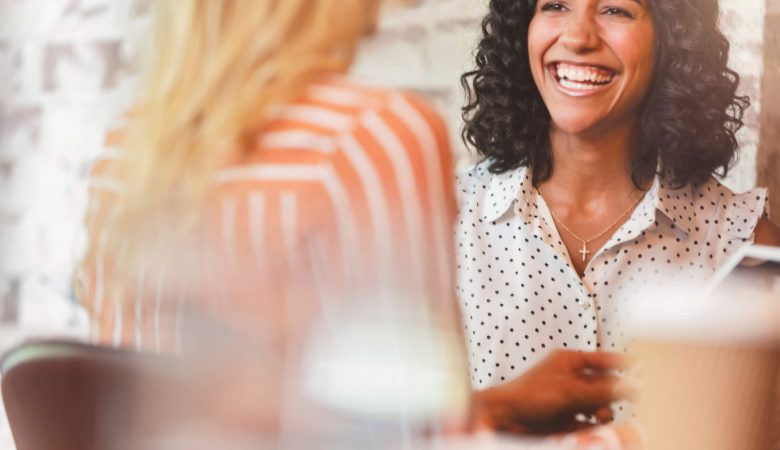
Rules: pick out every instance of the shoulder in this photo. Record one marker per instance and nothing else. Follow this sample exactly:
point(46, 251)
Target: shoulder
point(715, 192)
point(356, 121)
point(340, 123)
point(735, 214)
point(473, 183)
point(359, 104)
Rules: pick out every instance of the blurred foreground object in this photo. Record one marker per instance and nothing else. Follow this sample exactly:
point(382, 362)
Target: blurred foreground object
point(228, 394)
point(63, 395)
point(386, 358)
point(709, 365)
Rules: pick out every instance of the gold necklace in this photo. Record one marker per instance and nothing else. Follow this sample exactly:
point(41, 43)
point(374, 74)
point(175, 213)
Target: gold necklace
point(585, 251)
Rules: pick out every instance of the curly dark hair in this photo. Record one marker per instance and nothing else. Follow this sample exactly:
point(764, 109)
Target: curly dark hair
point(687, 122)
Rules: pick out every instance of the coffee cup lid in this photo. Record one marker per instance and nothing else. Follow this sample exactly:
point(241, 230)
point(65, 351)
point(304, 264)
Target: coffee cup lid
point(725, 317)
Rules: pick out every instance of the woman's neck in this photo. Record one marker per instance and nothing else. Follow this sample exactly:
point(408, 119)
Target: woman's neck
point(588, 168)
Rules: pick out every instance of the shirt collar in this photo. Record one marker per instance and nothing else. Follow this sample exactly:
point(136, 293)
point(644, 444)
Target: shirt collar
point(505, 189)
point(516, 186)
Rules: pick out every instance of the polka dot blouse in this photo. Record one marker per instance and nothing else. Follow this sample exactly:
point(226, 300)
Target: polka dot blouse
point(521, 297)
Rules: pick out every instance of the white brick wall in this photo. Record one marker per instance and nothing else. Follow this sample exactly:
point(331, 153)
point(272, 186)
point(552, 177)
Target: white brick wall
point(743, 21)
point(68, 70)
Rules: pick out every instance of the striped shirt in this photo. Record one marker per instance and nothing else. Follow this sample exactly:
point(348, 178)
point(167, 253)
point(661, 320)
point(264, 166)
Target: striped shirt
point(347, 192)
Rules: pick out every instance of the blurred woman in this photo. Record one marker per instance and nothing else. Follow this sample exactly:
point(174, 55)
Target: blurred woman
point(254, 189)
point(249, 145)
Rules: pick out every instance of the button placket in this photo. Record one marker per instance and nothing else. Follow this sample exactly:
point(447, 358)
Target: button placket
point(587, 305)
point(585, 300)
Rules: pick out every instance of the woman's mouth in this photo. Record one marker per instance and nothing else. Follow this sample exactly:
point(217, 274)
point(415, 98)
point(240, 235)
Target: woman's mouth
point(579, 80)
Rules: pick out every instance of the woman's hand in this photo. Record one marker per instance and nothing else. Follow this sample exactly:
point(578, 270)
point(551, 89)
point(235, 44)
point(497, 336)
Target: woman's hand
point(549, 397)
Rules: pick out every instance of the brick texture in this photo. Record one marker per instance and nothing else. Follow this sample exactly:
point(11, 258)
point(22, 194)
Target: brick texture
point(769, 148)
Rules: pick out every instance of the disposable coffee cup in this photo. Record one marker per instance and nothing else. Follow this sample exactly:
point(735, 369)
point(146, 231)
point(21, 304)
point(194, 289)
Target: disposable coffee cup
point(707, 369)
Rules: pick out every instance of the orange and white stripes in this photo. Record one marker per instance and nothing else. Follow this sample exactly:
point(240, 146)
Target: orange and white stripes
point(348, 188)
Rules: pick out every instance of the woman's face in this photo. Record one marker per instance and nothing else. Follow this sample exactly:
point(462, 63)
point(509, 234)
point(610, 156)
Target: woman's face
point(592, 61)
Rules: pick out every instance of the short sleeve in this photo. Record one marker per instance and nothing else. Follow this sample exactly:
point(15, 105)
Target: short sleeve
point(744, 211)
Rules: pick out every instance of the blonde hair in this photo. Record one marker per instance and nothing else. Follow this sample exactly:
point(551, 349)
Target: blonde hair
point(219, 68)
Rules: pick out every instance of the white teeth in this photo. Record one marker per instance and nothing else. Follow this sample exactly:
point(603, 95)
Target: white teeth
point(578, 86)
point(582, 74)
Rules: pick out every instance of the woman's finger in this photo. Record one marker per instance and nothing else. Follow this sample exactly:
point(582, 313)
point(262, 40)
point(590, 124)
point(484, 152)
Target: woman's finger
point(604, 361)
point(595, 392)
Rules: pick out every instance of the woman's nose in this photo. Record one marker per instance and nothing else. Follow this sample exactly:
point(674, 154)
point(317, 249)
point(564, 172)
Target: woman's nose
point(580, 33)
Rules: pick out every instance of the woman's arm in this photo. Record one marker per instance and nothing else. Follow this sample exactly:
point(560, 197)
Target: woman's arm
point(767, 233)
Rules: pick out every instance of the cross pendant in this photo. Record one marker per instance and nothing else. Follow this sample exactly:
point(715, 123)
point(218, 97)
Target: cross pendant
point(584, 252)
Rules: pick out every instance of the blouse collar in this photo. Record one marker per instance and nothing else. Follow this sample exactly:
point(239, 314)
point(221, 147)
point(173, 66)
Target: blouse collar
point(515, 188)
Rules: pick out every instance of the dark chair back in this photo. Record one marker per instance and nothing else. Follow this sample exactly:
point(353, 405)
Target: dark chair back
point(71, 396)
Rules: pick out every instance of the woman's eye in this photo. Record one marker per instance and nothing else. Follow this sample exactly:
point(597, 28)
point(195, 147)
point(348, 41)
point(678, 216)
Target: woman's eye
point(612, 11)
point(553, 6)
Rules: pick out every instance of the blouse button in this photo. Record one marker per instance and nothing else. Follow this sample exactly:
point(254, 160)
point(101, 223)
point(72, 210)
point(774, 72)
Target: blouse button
point(586, 305)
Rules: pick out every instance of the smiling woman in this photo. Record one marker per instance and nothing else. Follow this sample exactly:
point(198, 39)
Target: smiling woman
point(687, 57)
point(591, 72)
point(601, 124)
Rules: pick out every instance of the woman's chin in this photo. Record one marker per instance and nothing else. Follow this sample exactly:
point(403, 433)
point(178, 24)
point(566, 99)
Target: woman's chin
point(577, 126)
point(593, 122)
